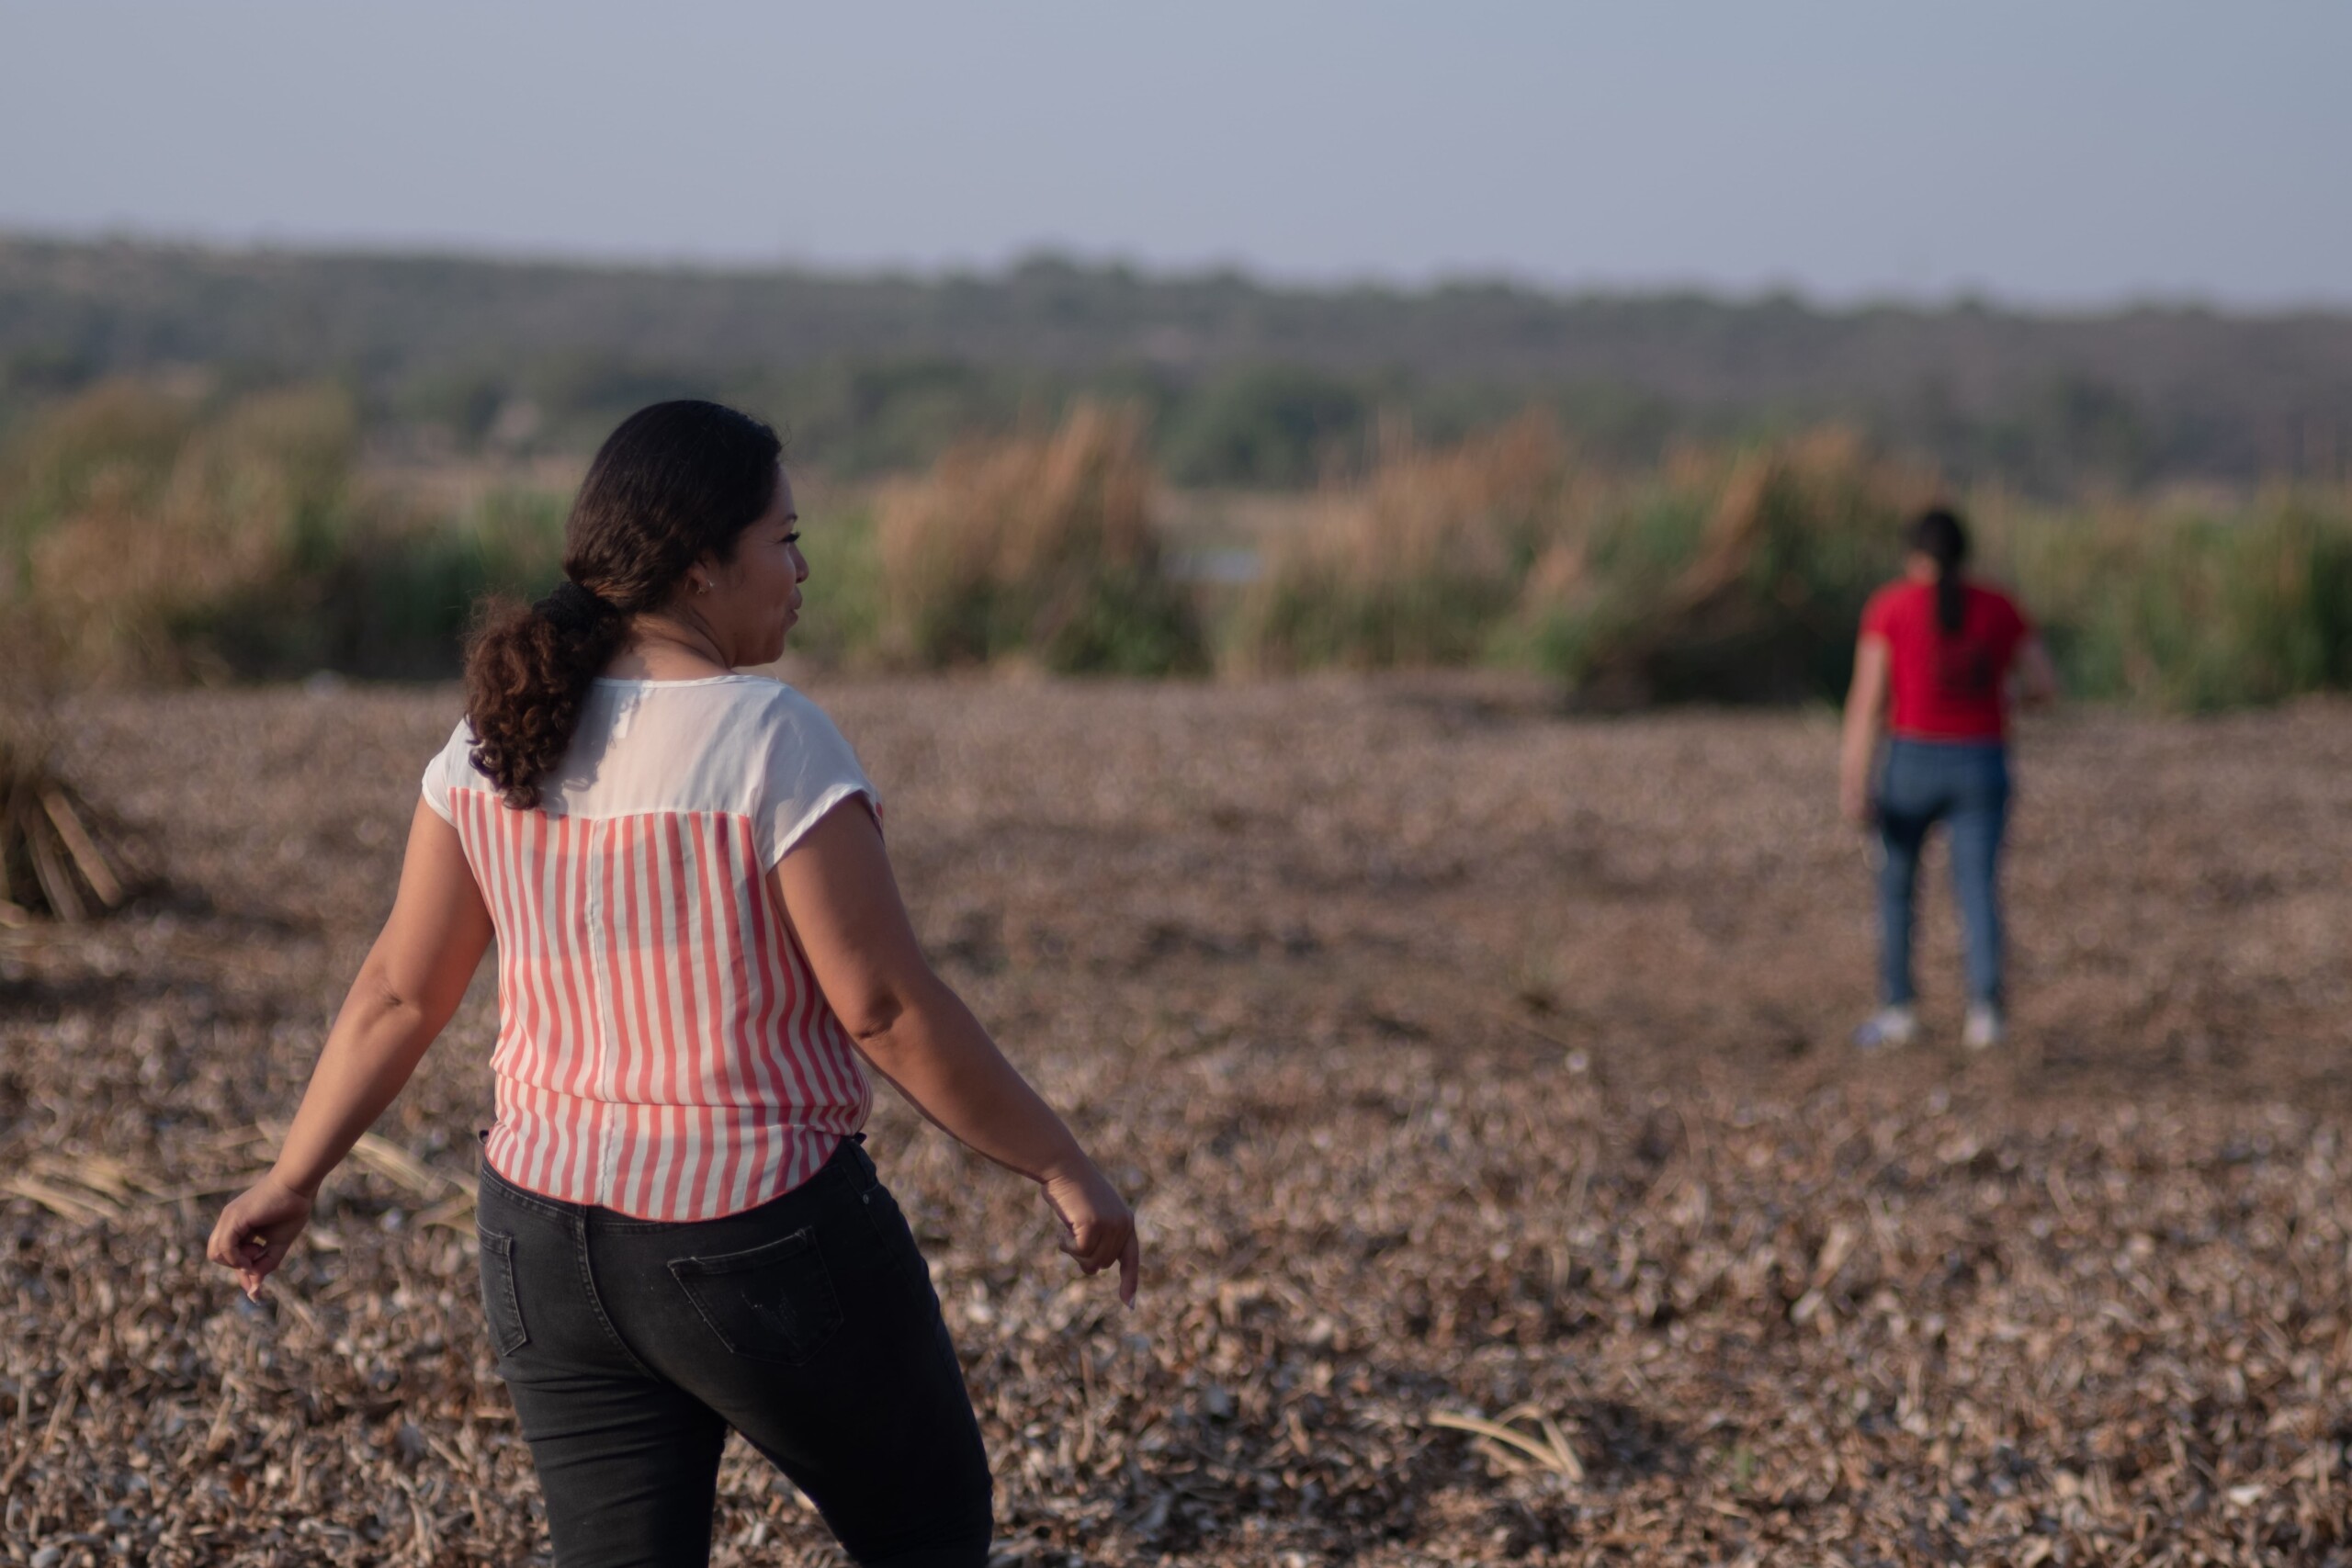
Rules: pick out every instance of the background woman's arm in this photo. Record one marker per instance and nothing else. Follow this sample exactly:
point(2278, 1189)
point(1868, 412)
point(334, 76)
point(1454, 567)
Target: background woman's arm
point(405, 992)
point(843, 903)
point(1865, 701)
point(2036, 676)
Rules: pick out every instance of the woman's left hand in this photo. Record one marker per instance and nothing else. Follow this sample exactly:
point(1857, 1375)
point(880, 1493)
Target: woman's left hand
point(256, 1231)
point(1098, 1228)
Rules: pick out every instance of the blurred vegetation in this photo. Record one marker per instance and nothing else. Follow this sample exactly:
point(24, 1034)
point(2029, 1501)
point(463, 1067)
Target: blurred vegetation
point(1039, 547)
point(1739, 575)
point(1733, 575)
point(208, 464)
point(148, 535)
point(158, 533)
point(1241, 384)
point(2191, 604)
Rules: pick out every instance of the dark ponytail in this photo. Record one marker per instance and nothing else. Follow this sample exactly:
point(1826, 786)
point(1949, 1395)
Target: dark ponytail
point(675, 482)
point(1939, 535)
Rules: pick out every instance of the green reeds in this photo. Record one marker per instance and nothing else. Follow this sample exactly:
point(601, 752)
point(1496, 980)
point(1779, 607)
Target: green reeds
point(2193, 605)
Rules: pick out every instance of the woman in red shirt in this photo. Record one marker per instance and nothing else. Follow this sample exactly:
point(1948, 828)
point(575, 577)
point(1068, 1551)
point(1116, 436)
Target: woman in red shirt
point(1938, 659)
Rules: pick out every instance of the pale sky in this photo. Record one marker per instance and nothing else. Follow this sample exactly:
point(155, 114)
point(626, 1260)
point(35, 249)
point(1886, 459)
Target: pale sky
point(2039, 151)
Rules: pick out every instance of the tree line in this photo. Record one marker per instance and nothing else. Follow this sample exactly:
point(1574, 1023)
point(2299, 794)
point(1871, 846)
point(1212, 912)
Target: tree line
point(1240, 383)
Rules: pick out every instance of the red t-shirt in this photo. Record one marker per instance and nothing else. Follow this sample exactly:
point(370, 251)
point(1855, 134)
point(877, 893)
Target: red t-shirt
point(1947, 686)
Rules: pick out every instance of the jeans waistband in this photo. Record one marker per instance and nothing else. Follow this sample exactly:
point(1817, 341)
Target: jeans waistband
point(843, 1165)
point(1950, 746)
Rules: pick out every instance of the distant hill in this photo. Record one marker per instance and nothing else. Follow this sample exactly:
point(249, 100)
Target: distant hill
point(1249, 383)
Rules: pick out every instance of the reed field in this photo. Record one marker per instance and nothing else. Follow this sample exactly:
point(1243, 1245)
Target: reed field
point(158, 537)
point(1508, 1192)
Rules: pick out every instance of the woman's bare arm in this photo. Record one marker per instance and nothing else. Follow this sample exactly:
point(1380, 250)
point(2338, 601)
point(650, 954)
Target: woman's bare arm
point(406, 990)
point(1865, 701)
point(838, 890)
point(2036, 676)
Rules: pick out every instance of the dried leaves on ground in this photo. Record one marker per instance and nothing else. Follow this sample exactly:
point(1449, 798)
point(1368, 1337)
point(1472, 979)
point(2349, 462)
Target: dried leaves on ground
point(1509, 1191)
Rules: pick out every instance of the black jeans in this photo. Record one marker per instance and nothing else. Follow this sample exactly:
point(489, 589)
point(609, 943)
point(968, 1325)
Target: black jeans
point(808, 1324)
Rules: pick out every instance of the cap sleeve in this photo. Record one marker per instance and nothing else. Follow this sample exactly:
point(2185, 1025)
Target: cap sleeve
point(2020, 623)
point(810, 770)
point(440, 776)
point(1878, 615)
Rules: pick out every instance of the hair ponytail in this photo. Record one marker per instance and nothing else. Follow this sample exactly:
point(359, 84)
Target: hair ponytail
point(675, 482)
point(1939, 535)
point(526, 676)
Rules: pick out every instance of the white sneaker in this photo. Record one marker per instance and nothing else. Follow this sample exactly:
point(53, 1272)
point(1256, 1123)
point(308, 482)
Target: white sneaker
point(1886, 1028)
point(1983, 1029)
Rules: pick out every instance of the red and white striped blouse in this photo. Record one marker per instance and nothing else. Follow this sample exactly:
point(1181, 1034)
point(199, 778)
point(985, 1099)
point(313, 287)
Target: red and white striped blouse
point(663, 1048)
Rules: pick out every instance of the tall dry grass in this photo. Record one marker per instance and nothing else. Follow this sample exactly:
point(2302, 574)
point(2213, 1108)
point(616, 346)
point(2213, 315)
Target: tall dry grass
point(1735, 576)
point(2193, 604)
point(149, 535)
point(132, 519)
point(1740, 575)
point(1419, 561)
point(1719, 574)
point(1039, 547)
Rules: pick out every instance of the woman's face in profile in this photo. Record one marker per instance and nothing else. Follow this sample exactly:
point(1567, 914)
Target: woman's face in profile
point(755, 599)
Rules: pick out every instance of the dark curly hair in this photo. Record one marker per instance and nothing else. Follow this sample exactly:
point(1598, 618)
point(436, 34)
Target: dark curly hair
point(675, 482)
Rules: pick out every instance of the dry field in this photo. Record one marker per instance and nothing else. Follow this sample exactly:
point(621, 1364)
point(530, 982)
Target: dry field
point(1469, 1062)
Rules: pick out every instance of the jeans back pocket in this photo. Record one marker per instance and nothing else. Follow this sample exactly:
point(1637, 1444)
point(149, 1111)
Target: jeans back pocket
point(501, 1308)
point(772, 1302)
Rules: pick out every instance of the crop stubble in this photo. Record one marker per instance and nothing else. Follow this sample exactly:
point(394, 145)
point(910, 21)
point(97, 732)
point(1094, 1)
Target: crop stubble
point(1470, 1064)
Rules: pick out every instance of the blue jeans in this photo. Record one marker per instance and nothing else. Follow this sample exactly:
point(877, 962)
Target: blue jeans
point(808, 1324)
point(1965, 784)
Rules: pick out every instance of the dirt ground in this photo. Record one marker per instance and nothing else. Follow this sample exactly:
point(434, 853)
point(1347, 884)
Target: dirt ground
point(1469, 1062)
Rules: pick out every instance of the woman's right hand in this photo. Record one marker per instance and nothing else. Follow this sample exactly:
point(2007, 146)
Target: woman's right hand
point(1098, 1228)
point(256, 1231)
point(1854, 795)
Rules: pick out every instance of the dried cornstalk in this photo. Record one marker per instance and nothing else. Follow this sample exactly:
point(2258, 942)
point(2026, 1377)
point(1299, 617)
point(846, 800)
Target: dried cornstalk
point(1551, 1450)
point(59, 859)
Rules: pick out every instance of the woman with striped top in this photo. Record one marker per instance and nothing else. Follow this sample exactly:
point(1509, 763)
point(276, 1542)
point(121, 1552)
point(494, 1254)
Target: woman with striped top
point(700, 950)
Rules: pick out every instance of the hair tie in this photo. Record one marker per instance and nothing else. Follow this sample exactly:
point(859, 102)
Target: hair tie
point(574, 608)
